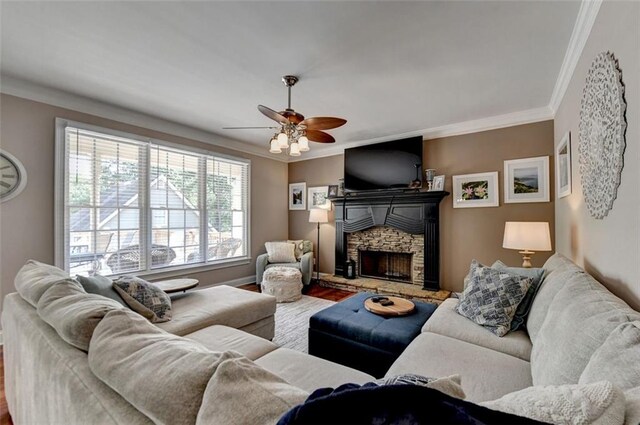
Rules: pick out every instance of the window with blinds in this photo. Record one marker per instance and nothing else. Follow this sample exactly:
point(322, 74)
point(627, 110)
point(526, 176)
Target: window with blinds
point(130, 205)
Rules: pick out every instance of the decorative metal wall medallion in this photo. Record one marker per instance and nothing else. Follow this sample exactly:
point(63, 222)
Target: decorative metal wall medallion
point(602, 134)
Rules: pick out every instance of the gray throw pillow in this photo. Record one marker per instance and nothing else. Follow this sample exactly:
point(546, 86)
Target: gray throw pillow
point(520, 318)
point(144, 298)
point(492, 297)
point(100, 285)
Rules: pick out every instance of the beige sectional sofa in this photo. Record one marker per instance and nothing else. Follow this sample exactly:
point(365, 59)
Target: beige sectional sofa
point(574, 327)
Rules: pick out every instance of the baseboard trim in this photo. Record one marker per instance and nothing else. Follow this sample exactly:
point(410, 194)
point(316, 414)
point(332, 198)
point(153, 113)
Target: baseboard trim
point(234, 282)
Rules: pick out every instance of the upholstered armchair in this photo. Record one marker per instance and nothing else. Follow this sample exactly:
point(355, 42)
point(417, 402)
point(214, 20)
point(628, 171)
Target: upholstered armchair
point(304, 263)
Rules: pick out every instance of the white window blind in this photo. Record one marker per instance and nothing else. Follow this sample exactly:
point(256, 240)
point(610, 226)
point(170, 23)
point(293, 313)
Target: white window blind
point(131, 205)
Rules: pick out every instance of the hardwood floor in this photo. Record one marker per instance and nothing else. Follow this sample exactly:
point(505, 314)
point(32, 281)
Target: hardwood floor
point(313, 291)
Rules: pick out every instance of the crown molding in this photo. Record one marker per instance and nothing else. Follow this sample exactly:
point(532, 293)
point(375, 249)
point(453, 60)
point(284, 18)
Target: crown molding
point(21, 88)
point(584, 22)
point(474, 126)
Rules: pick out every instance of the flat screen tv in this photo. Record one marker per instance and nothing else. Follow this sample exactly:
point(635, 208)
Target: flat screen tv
point(389, 165)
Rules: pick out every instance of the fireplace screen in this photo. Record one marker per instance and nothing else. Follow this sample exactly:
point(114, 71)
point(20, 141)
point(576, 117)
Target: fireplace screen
point(394, 266)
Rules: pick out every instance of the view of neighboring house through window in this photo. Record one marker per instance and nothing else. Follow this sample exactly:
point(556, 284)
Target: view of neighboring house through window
point(131, 205)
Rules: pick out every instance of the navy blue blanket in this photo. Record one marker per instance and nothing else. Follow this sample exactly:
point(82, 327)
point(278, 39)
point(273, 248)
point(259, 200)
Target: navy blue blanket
point(392, 404)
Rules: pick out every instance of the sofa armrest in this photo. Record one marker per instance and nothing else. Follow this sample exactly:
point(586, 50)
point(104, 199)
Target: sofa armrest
point(306, 267)
point(261, 265)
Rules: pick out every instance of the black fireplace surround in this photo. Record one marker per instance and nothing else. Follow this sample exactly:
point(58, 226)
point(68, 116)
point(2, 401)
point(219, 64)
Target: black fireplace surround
point(411, 212)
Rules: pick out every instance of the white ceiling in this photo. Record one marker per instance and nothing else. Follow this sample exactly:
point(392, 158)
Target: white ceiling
point(389, 68)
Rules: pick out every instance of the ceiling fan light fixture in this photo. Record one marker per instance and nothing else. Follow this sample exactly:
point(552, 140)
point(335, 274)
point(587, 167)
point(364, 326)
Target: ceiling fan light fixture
point(303, 142)
point(283, 140)
point(294, 149)
point(275, 146)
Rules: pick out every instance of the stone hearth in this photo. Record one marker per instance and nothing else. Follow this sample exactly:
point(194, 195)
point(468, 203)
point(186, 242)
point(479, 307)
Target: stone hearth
point(404, 290)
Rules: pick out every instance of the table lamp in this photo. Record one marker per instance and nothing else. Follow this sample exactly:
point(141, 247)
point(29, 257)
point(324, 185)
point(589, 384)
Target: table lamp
point(527, 236)
point(318, 215)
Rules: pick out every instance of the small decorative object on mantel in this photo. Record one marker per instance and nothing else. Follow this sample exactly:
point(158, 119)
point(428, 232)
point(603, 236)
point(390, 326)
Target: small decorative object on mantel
point(340, 187)
point(429, 174)
point(602, 134)
point(333, 191)
point(438, 183)
point(416, 183)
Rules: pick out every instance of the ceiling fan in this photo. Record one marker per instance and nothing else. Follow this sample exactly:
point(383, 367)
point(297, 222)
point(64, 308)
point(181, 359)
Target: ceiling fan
point(295, 131)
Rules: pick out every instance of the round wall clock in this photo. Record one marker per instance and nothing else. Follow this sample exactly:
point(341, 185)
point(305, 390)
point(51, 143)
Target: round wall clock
point(602, 134)
point(13, 176)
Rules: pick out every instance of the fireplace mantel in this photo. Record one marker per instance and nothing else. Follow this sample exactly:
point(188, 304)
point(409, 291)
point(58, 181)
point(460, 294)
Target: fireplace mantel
point(411, 212)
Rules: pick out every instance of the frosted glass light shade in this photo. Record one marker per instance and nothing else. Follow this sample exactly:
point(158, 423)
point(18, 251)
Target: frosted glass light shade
point(527, 235)
point(283, 139)
point(318, 215)
point(294, 149)
point(303, 142)
point(275, 146)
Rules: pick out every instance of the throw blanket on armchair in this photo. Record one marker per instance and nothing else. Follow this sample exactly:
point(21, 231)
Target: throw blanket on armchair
point(392, 404)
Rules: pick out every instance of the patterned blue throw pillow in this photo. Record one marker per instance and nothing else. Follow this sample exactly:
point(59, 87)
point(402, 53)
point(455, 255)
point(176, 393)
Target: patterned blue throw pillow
point(492, 297)
point(144, 298)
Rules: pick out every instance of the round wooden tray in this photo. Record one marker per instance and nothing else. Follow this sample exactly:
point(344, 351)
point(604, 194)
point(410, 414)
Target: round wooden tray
point(177, 285)
point(400, 306)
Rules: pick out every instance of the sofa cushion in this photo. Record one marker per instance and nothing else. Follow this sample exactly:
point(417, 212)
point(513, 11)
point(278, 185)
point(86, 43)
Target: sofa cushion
point(558, 270)
point(599, 403)
point(73, 313)
point(310, 372)
point(520, 316)
point(34, 278)
point(486, 374)
point(280, 252)
point(446, 321)
point(618, 359)
point(219, 305)
point(162, 375)
point(224, 338)
point(144, 298)
point(579, 320)
point(492, 297)
point(241, 392)
point(102, 286)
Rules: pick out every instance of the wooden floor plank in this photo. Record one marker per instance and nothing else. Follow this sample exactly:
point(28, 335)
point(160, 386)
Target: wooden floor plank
point(313, 290)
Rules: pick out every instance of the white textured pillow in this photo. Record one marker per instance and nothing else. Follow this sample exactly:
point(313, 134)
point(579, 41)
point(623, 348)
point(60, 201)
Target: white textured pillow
point(281, 252)
point(600, 403)
point(239, 383)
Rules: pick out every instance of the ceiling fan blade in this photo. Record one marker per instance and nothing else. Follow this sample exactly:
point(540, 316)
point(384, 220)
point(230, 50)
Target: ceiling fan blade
point(246, 128)
point(323, 123)
point(319, 136)
point(270, 113)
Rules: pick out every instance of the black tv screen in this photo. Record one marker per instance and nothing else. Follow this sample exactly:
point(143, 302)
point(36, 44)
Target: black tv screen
point(387, 165)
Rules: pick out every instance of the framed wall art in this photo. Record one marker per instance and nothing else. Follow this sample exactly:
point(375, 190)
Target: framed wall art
point(563, 166)
point(318, 197)
point(476, 190)
point(526, 180)
point(298, 196)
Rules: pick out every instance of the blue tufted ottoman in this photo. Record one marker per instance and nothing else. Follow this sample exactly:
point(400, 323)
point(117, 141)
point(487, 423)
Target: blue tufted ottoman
point(348, 334)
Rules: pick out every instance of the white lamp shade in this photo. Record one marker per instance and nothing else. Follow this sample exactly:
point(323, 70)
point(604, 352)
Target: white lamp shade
point(303, 142)
point(275, 146)
point(283, 139)
point(527, 235)
point(294, 150)
point(318, 216)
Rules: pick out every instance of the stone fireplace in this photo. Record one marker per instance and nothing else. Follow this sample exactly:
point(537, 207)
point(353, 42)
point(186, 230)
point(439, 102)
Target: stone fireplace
point(394, 237)
point(383, 252)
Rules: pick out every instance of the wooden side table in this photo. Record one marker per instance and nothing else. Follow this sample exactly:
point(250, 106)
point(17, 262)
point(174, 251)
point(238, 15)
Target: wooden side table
point(177, 285)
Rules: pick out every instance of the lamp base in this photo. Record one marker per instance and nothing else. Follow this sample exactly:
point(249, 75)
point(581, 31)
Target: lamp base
point(526, 258)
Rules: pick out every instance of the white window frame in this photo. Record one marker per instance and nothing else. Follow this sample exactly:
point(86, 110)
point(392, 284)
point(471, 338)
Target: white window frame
point(60, 225)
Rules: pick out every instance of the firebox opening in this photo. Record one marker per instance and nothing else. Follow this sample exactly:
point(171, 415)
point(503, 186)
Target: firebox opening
point(395, 266)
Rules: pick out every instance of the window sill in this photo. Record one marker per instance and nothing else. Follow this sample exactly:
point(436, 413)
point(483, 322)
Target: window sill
point(186, 269)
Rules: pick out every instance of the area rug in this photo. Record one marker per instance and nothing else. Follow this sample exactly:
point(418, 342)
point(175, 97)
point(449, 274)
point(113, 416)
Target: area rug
point(292, 321)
